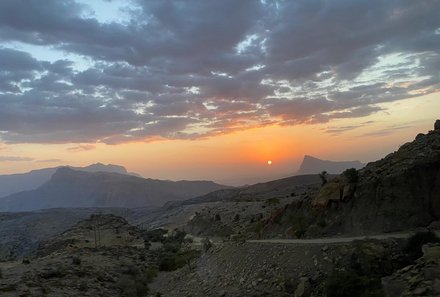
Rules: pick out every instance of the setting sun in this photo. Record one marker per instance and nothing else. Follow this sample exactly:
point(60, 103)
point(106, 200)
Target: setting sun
point(269, 162)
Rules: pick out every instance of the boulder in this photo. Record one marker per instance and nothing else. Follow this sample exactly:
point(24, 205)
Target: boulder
point(303, 288)
point(332, 190)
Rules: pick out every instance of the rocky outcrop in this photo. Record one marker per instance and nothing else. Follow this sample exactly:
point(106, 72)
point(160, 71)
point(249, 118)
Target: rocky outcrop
point(437, 125)
point(397, 193)
point(420, 279)
point(96, 231)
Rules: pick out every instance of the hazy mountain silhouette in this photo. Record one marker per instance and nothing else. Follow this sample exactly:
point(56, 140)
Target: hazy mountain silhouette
point(312, 165)
point(73, 188)
point(13, 183)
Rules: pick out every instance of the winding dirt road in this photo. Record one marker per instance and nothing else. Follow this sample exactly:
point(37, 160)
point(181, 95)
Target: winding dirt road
point(335, 240)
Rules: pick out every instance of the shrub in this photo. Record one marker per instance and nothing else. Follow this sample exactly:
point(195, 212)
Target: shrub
point(414, 244)
point(167, 261)
point(350, 284)
point(207, 244)
point(132, 287)
point(150, 274)
point(299, 224)
point(322, 223)
point(300, 233)
point(257, 228)
point(273, 201)
point(156, 235)
point(323, 177)
point(351, 175)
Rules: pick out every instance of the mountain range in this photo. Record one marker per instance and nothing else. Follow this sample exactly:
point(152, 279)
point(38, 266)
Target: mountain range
point(73, 188)
point(13, 183)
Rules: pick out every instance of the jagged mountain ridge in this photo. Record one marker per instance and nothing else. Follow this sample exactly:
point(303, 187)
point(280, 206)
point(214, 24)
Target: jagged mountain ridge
point(312, 165)
point(71, 188)
point(14, 183)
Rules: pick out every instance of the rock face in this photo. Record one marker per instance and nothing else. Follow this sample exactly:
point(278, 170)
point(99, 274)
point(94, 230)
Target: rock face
point(398, 192)
point(312, 165)
point(437, 125)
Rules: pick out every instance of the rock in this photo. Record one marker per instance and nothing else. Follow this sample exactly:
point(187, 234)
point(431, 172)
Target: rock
point(434, 225)
point(331, 191)
point(303, 288)
point(431, 252)
point(437, 125)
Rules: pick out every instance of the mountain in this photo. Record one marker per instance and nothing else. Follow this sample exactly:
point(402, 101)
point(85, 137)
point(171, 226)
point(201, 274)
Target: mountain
point(14, 183)
point(312, 165)
point(72, 188)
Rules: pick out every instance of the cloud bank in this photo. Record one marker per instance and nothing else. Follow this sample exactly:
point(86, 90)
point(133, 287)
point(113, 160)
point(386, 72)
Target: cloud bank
point(194, 69)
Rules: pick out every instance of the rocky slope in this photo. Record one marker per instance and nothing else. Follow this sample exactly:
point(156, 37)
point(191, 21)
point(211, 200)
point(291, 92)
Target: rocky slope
point(72, 188)
point(75, 264)
point(312, 165)
point(398, 192)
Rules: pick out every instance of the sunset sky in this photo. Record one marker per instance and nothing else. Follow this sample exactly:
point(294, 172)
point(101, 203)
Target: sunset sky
point(204, 89)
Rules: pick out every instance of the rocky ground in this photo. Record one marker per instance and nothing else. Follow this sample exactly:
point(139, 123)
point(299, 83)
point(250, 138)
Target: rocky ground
point(256, 269)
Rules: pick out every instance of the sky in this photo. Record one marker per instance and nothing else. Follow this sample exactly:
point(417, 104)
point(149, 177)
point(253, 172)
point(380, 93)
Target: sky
point(204, 89)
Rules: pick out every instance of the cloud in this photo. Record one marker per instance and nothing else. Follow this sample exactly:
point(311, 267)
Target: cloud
point(193, 69)
point(15, 159)
point(81, 148)
point(386, 131)
point(50, 161)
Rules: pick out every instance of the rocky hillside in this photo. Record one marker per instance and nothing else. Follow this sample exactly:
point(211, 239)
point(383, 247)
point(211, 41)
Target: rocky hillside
point(398, 192)
point(100, 256)
point(71, 188)
point(312, 165)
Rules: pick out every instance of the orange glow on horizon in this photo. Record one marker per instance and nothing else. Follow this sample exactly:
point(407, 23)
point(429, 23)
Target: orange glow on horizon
point(248, 152)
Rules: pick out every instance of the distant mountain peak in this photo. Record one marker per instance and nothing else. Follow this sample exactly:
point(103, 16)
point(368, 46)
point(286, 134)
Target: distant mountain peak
point(312, 165)
point(105, 168)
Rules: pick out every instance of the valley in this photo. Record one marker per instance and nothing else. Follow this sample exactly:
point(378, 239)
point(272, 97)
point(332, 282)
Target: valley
point(298, 236)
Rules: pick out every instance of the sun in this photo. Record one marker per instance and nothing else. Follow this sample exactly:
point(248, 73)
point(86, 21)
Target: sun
point(269, 162)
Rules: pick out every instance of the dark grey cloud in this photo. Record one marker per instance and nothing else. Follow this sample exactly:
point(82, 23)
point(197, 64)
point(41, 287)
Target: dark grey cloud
point(189, 69)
